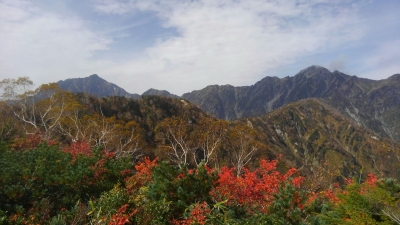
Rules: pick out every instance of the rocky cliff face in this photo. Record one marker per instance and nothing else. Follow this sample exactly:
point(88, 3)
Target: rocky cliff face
point(372, 104)
point(94, 85)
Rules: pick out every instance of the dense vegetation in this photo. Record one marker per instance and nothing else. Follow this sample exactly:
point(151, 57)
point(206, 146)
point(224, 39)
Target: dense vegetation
point(45, 184)
point(77, 159)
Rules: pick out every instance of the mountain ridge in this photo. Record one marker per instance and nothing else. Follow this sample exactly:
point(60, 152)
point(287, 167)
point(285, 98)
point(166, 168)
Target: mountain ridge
point(374, 104)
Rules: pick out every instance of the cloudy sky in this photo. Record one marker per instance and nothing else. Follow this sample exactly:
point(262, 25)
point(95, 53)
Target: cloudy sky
point(184, 45)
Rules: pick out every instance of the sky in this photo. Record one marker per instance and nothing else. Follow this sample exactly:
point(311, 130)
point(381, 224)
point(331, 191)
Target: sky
point(185, 45)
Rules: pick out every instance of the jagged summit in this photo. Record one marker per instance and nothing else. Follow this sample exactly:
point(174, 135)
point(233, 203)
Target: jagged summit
point(95, 76)
point(314, 71)
point(94, 85)
point(370, 103)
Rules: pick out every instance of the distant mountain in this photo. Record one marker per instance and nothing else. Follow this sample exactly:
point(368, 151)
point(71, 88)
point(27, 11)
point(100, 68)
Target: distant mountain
point(369, 103)
point(156, 92)
point(373, 104)
point(311, 133)
point(94, 85)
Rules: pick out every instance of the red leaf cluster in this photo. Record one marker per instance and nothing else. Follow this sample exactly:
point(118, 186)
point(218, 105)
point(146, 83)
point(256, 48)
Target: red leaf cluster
point(142, 175)
point(31, 141)
point(253, 188)
point(121, 218)
point(198, 215)
point(78, 148)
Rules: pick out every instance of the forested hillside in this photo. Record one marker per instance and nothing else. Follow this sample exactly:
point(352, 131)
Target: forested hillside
point(78, 159)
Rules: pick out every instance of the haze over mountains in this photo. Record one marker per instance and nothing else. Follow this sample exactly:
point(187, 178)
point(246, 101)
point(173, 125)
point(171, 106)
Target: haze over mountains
point(369, 103)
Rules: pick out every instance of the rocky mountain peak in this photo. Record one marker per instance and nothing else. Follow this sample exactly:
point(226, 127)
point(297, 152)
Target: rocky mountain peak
point(314, 70)
point(94, 85)
point(95, 76)
point(164, 93)
point(373, 104)
point(395, 77)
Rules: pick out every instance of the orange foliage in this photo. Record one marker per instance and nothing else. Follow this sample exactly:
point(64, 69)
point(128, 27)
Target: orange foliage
point(371, 179)
point(121, 218)
point(253, 188)
point(142, 175)
point(145, 166)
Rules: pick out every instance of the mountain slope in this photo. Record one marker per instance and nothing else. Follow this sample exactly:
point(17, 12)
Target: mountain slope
point(309, 134)
point(94, 85)
point(313, 134)
point(373, 104)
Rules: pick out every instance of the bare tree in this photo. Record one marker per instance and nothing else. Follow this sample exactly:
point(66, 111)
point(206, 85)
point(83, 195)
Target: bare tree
point(209, 137)
point(392, 215)
point(124, 139)
point(130, 139)
point(40, 110)
point(178, 139)
point(243, 145)
point(74, 125)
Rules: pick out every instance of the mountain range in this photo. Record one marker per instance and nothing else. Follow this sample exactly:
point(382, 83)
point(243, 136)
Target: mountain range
point(369, 103)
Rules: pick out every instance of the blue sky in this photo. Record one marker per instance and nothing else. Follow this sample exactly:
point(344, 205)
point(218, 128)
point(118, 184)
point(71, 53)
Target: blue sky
point(185, 45)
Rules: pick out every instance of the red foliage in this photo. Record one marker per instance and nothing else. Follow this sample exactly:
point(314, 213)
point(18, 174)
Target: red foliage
point(78, 148)
point(31, 141)
point(252, 188)
point(371, 179)
point(121, 218)
point(331, 195)
point(348, 181)
point(298, 181)
point(369, 183)
point(108, 155)
point(198, 215)
point(145, 166)
point(98, 169)
point(142, 175)
point(182, 175)
point(126, 172)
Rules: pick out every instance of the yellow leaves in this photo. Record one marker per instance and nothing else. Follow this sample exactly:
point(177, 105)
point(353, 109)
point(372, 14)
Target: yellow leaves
point(15, 88)
point(108, 132)
point(49, 86)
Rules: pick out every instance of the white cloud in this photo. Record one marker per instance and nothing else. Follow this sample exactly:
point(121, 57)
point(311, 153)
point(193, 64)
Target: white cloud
point(384, 62)
point(235, 42)
point(218, 41)
point(44, 46)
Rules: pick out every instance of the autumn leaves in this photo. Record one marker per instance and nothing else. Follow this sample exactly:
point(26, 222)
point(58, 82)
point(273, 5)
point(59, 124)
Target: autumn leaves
point(58, 115)
point(206, 140)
